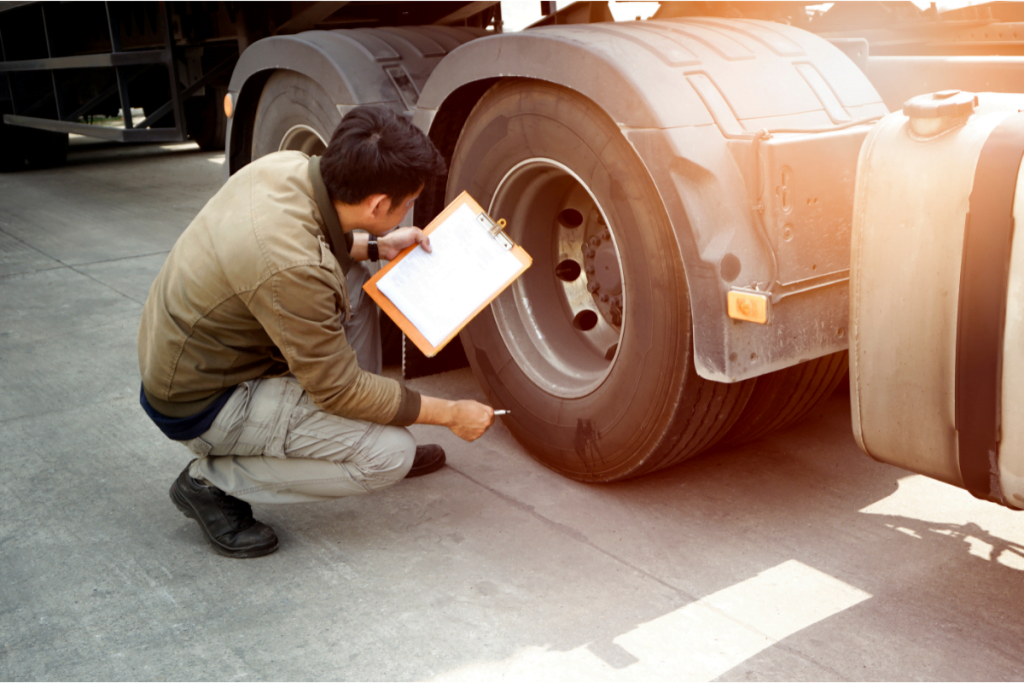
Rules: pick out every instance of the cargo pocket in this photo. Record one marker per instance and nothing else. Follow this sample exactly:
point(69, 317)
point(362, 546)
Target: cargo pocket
point(266, 423)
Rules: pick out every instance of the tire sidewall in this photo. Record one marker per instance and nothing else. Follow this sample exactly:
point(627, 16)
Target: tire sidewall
point(290, 99)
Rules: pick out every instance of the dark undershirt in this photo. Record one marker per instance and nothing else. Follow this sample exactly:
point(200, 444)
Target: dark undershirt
point(185, 428)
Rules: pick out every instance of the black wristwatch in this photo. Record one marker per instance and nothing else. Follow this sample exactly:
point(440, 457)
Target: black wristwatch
point(371, 249)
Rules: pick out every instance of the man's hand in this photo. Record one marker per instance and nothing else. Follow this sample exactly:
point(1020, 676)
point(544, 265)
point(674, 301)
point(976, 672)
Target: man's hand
point(470, 420)
point(392, 244)
point(467, 419)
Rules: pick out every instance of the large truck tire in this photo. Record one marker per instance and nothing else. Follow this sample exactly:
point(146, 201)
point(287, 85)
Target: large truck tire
point(205, 119)
point(591, 348)
point(784, 397)
point(294, 113)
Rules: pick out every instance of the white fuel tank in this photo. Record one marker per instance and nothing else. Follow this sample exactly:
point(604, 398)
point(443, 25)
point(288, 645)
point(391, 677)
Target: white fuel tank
point(937, 292)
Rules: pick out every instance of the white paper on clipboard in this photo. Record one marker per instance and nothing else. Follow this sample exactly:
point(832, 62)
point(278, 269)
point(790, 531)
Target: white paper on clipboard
point(439, 290)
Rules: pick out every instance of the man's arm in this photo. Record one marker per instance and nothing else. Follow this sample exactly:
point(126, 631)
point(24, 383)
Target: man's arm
point(389, 245)
point(467, 419)
point(299, 308)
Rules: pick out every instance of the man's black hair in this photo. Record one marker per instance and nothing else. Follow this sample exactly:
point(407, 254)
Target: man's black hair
point(376, 151)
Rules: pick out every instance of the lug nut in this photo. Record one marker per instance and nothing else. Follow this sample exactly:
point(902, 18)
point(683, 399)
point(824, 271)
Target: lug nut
point(590, 269)
point(604, 298)
point(595, 241)
point(593, 286)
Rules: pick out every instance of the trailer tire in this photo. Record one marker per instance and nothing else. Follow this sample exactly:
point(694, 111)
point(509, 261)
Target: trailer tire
point(781, 398)
point(528, 151)
point(294, 113)
point(205, 119)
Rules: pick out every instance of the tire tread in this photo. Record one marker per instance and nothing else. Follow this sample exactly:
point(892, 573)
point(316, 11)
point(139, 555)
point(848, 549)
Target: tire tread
point(782, 398)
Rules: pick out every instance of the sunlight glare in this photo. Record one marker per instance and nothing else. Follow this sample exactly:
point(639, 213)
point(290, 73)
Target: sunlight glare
point(700, 641)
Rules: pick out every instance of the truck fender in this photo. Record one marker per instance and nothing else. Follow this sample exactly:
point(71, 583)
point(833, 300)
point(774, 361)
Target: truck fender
point(688, 95)
point(387, 66)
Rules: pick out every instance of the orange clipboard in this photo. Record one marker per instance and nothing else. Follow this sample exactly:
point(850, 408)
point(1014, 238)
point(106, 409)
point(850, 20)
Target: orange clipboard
point(494, 228)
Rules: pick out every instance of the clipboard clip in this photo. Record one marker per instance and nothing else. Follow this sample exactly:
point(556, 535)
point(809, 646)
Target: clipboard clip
point(496, 229)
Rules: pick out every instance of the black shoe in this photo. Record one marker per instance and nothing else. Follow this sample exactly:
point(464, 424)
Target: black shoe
point(225, 520)
point(429, 458)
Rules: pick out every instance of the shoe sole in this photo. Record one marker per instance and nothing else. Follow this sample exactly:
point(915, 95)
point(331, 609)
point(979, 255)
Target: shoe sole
point(427, 469)
point(186, 509)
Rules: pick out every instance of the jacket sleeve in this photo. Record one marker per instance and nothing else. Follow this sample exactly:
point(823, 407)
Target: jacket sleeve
point(301, 311)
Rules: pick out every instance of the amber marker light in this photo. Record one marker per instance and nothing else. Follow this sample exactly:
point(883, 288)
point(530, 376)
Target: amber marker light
point(229, 107)
point(748, 306)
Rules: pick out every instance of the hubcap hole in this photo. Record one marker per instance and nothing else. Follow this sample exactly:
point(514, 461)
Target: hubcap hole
point(570, 218)
point(568, 270)
point(585, 321)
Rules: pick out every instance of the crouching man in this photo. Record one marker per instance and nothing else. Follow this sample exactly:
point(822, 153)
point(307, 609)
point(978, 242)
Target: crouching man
point(260, 351)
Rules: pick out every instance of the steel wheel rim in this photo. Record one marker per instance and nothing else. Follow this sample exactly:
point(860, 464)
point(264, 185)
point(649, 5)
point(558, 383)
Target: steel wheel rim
point(558, 319)
point(302, 138)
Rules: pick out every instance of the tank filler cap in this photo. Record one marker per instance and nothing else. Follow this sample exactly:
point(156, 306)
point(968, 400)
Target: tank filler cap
point(934, 114)
point(941, 104)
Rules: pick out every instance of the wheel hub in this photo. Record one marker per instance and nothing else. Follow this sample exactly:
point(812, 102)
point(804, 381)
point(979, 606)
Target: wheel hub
point(601, 264)
point(562, 319)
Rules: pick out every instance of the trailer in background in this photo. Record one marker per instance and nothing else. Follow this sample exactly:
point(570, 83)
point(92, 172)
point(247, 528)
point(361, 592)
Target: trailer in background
point(162, 68)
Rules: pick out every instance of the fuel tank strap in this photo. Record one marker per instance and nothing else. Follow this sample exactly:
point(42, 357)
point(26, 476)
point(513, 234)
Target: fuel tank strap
point(984, 278)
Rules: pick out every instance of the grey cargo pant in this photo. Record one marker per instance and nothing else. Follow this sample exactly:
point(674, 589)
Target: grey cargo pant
point(271, 444)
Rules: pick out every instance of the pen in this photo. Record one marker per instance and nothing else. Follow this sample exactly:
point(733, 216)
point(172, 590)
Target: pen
point(502, 412)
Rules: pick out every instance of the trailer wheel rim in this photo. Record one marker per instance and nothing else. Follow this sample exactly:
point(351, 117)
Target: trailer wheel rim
point(562, 320)
point(302, 138)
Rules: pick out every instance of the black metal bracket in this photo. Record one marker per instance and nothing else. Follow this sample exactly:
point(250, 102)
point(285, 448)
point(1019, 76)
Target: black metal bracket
point(123, 63)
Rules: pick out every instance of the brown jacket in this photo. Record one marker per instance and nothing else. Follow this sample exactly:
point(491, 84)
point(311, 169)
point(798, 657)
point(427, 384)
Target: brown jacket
point(252, 289)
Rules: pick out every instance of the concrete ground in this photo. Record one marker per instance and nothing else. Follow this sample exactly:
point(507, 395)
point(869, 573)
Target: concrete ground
point(795, 557)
